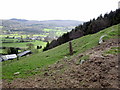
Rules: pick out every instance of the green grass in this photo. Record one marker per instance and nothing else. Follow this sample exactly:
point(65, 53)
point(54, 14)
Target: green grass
point(113, 50)
point(1, 50)
point(0, 70)
point(28, 66)
point(1, 26)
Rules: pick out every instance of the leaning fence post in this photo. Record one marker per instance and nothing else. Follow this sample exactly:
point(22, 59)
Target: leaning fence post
point(70, 48)
point(17, 57)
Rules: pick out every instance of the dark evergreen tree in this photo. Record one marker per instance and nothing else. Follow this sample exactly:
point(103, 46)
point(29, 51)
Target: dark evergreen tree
point(46, 48)
point(12, 50)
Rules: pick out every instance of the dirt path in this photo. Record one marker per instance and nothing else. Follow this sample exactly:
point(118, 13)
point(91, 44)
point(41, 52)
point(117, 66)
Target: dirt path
point(98, 72)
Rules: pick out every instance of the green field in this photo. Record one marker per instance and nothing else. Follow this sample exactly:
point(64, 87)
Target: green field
point(1, 26)
point(13, 35)
point(47, 29)
point(56, 31)
point(23, 44)
point(24, 36)
point(28, 66)
point(10, 40)
point(60, 33)
point(41, 35)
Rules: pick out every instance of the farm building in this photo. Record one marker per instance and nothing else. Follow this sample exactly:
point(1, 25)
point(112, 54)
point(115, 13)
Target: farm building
point(24, 53)
point(1, 59)
point(8, 57)
point(13, 56)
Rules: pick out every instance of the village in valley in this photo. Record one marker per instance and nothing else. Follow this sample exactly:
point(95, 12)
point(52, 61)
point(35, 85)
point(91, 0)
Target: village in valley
point(25, 37)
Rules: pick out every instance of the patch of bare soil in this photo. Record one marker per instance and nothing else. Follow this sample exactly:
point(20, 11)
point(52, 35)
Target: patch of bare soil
point(98, 72)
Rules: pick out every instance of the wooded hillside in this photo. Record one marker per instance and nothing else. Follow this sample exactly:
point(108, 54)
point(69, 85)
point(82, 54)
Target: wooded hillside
point(89, 27)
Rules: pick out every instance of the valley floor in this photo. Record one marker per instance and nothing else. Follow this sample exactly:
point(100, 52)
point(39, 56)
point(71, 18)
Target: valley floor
point(99, 71)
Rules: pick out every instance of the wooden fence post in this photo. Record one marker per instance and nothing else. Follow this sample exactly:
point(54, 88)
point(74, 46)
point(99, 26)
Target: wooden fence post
point(70, 48)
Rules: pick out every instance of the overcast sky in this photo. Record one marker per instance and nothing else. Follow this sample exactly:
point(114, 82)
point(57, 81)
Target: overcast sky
point(82, 10)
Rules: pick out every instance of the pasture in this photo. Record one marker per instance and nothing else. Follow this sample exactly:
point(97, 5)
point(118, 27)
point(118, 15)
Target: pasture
point(23, 44)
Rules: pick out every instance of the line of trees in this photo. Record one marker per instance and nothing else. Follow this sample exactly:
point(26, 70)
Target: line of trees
point(89, 27)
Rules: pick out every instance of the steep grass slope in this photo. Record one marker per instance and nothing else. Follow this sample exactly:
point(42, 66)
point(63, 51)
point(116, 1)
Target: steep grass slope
point(28, 66)
point(99, 70)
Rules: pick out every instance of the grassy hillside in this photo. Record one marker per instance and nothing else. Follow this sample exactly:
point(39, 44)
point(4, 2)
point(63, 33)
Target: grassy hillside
point(28, 66)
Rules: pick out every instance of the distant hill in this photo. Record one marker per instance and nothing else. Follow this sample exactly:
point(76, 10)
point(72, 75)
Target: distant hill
point(19, 19)
point(49, 29)
point(32, 26)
